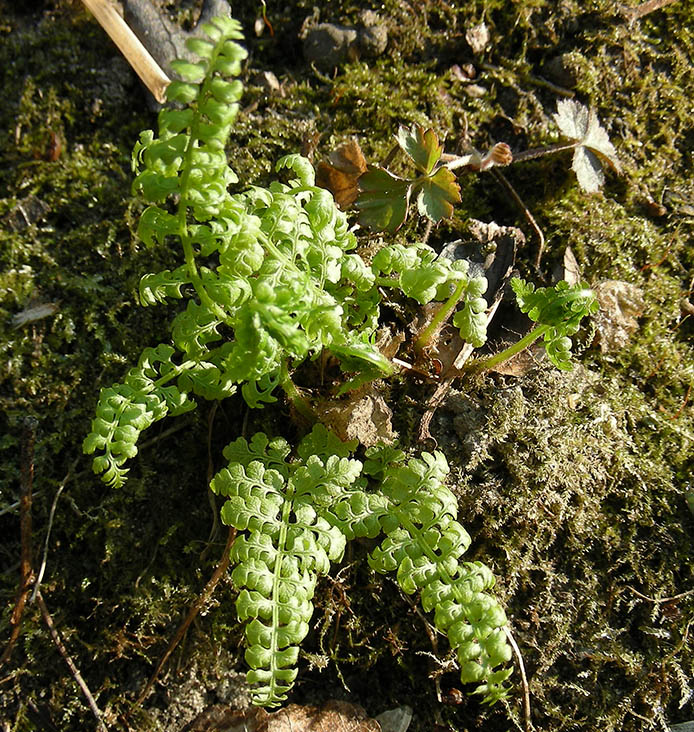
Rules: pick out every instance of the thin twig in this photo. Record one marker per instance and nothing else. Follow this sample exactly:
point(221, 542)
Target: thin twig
point(661, 600)
point(536, 80)
point(540, 152)
point(26, 572)
point(632, 14)
point(431, 632)
point(546, 84)
point(210, 475)
point(192, 613)
point(432, 405)
point(427, 231)
point(51, 516)
point(71, 664)
point(684, 403)
point(14, 506)
point(524, 681)
point(390, 156)
point(166, 433)
point(526, 212)
point(447, 379)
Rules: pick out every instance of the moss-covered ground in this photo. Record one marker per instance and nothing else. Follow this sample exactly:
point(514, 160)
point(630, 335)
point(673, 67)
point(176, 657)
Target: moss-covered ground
point(574, 486)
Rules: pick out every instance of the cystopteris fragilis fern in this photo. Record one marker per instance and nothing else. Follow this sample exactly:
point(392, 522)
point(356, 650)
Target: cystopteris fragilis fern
point(269, 279)
point(423, 545)
point(269, 275)
point(270, 266)
point(296, 517)
point(285, 545)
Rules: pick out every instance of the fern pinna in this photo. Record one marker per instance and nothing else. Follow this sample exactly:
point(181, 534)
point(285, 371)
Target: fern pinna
point(296, 517)
point(269, 279)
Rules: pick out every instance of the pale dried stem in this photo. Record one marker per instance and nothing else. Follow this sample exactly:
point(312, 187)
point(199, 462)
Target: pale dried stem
point(71, 664)
point(524, 681)
point(192, 613)
point(633, 14)
point(149, 71)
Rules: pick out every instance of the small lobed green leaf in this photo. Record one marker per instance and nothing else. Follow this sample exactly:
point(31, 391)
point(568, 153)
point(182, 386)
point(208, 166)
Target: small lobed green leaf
point(226, 91)
point(471, 319)
point(301, 167)
point(361, 355)
point(383, 200)
point(189, 71)
point(125, 410)
point(422, 283)
point(379, 457)
point(558, 348)
point(158, 287)
point(421, 145)
point(174, 121)
point(562, 306)
point(437, 194)
point(272, 453)
point(324, 443)
point(560, 310)
point(182, 92)
point(156, 224)
point(194, 328)
point(200, 47)
point(223, 26)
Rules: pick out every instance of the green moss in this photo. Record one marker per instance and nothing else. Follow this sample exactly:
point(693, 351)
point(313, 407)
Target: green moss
point(580, 509)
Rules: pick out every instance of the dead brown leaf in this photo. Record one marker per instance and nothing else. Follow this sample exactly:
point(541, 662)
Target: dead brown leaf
point(621, 303)
point(363, 415)
point(341, 174)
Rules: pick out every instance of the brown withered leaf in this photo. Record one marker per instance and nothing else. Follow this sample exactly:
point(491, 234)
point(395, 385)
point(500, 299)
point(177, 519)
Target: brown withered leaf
point(364, 415)
point(333, 716)
point(341, 173)
point(621, 303)
point(572, 271)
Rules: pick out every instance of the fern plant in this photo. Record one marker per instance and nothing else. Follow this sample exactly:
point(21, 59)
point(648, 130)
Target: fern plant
point(296, 518)
point(269, 279)
point(272, 266)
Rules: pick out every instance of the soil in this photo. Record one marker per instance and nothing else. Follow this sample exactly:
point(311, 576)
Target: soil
point(577, 488)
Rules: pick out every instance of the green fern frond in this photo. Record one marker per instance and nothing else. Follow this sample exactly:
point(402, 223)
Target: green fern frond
point(287, 544)
point(297, 516)
point(158, 287)
point(272, 453)
point(423, 546)
point(125, 410)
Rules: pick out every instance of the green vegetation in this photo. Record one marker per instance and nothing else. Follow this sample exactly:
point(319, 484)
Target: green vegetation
point(285, 287)
point(298, 516)
point(572, 485)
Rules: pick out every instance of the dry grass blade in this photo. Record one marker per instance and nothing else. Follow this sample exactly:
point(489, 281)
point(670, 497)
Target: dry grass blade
point(129, 45)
